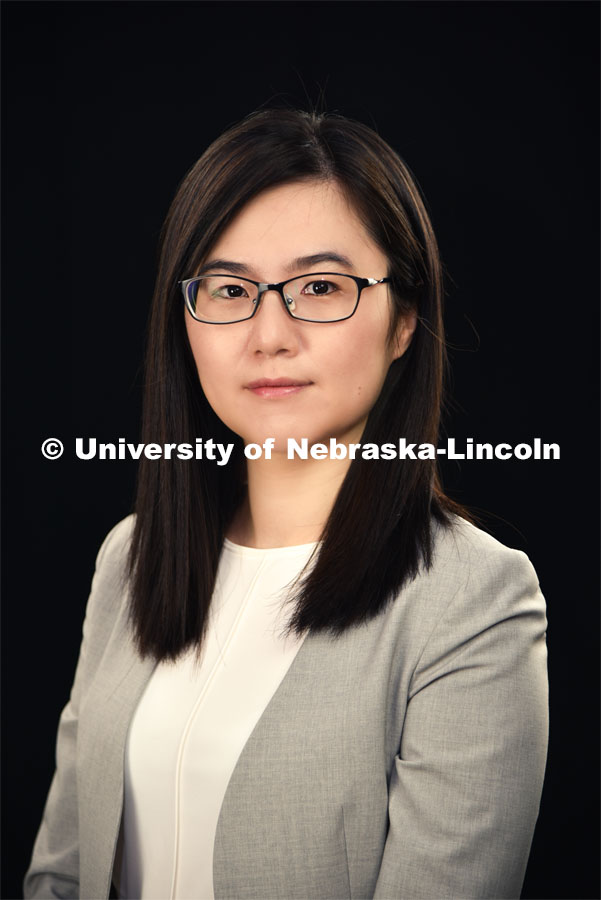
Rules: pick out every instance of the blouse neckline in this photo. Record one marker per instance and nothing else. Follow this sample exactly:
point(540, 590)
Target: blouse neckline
point(269, 552)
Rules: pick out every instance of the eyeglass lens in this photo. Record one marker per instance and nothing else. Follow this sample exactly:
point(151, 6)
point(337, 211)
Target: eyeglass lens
point(319, 297)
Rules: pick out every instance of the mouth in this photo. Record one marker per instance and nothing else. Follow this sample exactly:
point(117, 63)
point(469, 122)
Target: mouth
point(277, 387)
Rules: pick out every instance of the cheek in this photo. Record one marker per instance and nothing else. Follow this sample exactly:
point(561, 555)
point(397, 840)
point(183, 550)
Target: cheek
point(209, 359)
point(363, 365)
point(216, 356)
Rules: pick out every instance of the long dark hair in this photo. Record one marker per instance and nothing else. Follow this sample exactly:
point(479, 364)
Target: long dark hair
point(378, 533)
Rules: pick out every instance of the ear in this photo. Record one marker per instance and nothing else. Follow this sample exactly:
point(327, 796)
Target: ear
point(403, 333)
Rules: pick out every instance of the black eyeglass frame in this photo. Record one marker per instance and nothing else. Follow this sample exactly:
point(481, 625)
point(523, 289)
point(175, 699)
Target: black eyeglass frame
point(263, 287)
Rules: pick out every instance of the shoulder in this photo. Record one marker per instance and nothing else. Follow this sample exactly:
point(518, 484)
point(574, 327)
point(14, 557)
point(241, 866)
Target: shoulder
point(464, 554)
point(109, 584)
point(478, 586)
point(115, 546)
point(473, 585)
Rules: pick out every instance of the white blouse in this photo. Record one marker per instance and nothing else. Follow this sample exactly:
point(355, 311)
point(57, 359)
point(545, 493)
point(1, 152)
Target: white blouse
point(193, 721)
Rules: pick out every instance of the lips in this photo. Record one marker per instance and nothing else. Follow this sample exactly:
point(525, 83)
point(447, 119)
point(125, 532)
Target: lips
point(277, 387)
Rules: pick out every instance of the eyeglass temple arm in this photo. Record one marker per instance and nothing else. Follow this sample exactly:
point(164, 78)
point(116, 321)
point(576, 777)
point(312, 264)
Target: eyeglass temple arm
point(371, 281)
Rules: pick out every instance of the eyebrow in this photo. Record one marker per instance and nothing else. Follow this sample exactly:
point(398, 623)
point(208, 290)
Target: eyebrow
point(300, 262)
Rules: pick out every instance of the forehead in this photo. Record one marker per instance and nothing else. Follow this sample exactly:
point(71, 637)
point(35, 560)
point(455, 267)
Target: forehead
point(295, 220)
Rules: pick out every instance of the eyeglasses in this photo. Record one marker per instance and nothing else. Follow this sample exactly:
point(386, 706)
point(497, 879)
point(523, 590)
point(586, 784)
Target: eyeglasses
point(317, 297)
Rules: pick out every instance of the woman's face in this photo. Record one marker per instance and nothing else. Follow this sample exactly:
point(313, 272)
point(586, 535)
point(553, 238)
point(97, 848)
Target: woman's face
point(335, 370)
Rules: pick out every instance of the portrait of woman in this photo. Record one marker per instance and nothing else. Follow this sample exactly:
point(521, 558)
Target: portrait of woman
point(274, 274)
point(301, 675)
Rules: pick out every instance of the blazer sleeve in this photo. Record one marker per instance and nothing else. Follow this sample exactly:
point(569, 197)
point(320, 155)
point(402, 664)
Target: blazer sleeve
point(465, 787)
point(54, 866)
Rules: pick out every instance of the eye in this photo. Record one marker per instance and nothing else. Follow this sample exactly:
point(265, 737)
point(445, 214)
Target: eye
point(319, 288)
point(228, 292)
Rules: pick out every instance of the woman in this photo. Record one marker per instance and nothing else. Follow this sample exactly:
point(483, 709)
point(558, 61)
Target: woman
point(299, 677)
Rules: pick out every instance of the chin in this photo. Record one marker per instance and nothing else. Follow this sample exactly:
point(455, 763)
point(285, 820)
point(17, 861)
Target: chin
point(281, 440)
point(311, 435)
point(283, 428)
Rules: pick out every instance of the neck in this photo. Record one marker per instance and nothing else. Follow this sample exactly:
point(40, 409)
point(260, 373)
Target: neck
point(288, 501)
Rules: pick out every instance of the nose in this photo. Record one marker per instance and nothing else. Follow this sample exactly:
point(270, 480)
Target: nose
point(273, 331)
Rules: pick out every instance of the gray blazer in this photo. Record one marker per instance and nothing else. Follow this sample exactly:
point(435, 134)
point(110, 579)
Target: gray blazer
point(404, 759)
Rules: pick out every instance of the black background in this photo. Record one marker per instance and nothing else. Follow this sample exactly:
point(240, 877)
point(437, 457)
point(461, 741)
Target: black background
point(494, 106)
